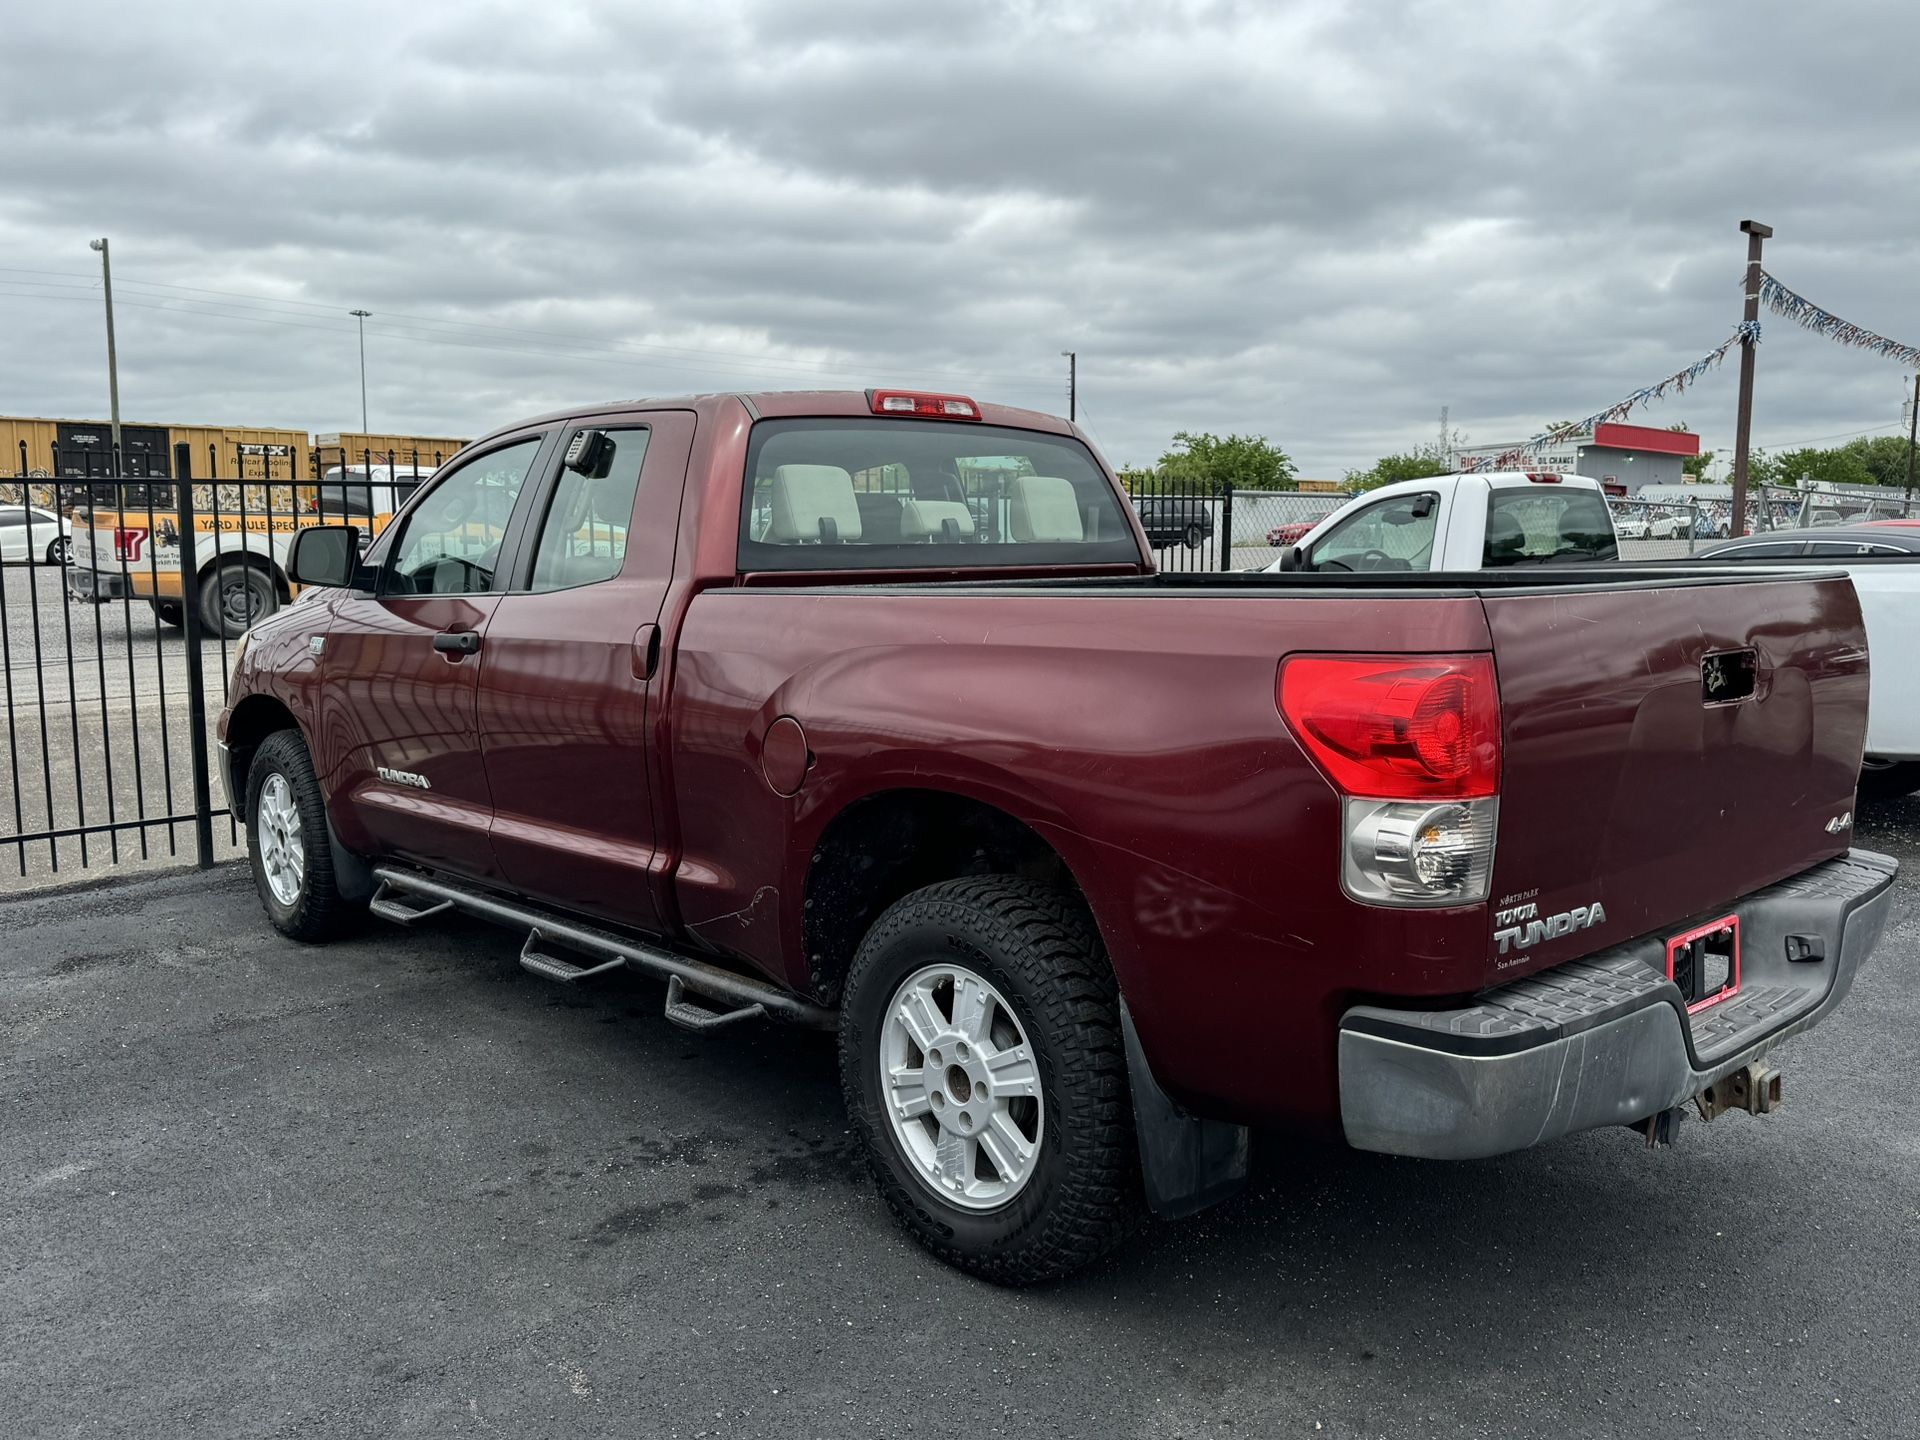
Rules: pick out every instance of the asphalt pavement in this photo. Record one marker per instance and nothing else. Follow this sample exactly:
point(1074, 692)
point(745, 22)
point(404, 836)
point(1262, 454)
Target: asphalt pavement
point(396, 1186)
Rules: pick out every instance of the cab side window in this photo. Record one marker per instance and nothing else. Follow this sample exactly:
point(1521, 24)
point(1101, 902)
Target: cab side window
point(451, 543)
point(583, 539)
point(1392, 534)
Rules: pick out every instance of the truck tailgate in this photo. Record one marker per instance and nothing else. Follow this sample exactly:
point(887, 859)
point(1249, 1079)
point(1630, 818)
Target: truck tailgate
point(1646, 769)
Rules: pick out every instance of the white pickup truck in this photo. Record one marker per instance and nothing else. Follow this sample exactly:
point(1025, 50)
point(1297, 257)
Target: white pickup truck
point(1462, 522)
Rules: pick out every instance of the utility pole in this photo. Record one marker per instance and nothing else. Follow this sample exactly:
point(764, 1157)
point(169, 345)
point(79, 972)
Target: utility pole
point(1913, 433)
point(1446, 448)
point(1073, 384)
point(361, 317)
point(113, 360)
point(1743, 422)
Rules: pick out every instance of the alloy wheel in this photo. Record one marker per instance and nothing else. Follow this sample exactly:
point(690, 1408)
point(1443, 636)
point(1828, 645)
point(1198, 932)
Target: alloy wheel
point(961, 1088)
point(283, 851)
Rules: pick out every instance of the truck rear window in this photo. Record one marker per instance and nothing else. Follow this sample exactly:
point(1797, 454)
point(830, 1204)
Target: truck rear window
point(1537, 524)
point(881, 494)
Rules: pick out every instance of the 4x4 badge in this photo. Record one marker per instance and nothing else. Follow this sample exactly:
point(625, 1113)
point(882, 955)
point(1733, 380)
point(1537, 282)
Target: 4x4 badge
point(1843, 821)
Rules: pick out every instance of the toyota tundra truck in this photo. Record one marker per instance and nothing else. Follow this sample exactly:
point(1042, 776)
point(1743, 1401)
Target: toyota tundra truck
point(869, 711)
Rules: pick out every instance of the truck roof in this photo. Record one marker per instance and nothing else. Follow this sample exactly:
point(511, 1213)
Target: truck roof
point(784, 404)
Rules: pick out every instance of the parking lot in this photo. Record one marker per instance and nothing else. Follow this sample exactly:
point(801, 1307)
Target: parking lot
point(397, 1186)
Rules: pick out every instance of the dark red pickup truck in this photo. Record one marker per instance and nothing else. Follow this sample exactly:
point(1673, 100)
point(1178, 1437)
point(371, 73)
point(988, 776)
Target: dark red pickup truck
point(868, 711)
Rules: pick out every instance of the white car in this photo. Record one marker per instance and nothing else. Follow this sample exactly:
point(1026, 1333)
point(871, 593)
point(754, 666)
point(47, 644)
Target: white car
point(32, 535)
point(1462, 522)
point(1630, 526)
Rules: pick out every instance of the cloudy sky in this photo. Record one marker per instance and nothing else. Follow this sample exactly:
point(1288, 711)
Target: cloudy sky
point(1317, 222)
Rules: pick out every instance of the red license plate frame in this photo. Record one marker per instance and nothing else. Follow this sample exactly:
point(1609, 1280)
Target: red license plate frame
point(1727, 926)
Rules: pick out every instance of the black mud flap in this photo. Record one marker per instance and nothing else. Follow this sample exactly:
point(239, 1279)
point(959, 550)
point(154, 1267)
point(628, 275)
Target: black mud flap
point(352, 876)
point(1187, 1163)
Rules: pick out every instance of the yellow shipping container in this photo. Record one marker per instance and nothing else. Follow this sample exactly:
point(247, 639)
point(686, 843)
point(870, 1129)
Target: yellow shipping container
point(359, 447)
point(39, 451)
point(35, 451)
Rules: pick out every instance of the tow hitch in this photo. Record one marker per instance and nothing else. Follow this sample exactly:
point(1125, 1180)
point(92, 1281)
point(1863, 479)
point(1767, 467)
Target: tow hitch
point(1753, 1088)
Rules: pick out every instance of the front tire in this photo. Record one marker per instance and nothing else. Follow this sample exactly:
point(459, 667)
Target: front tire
point(983, 1066)
point(168, 613)
point(288, 845)
point(1195, 537)
point(60, 552)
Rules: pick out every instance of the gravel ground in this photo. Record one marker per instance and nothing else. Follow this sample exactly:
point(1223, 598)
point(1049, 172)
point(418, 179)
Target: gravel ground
point(396, 1186)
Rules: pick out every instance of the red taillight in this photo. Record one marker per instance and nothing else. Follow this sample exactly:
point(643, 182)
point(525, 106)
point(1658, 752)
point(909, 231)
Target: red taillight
point(1543, 478)
point(1397, 726)
point(922, 406)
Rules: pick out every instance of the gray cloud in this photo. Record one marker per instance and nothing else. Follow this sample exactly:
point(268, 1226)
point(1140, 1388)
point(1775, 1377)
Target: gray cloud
point(1316, 221)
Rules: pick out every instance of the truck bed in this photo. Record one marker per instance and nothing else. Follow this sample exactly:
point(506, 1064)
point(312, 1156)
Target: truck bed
point(1142, 742)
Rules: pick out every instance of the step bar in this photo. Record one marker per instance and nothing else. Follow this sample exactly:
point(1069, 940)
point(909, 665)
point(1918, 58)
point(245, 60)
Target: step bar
point(745, 995)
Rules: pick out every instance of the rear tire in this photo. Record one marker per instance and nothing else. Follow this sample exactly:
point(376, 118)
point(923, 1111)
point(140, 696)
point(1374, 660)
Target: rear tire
point(234, 597)
point(1012, 1154)
point(60, 552)
point(288, 844)
point(1195, 537)
point(1888, 779)
point(168, 613)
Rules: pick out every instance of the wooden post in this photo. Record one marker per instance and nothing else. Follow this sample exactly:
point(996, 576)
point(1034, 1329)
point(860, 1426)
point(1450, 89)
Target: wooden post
point(1743, 423)
point(1913, 433)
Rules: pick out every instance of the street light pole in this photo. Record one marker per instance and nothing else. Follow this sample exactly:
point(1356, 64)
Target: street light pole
point(113, 360)
point(1743, 421)
point(1073, 383)
point(361, 317)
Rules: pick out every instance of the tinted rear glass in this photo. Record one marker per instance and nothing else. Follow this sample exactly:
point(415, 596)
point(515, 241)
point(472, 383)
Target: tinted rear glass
point(880, 494)
point(1539, 523)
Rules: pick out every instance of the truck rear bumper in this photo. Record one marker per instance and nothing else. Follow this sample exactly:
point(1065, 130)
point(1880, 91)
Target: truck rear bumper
point(1606, 1040)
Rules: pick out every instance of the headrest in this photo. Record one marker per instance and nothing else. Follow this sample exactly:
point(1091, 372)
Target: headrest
point(1505, 534)
point(922, 518)
point(805, 495)
point(1043, 508)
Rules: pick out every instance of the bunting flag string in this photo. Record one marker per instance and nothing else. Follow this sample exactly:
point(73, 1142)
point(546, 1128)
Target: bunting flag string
point(1802, 311)
point(1675, 384)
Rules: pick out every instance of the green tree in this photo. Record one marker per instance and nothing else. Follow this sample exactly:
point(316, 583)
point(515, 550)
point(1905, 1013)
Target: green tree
point(1883, 456)
point(1415, 464)
point(1210, 463)
point(1822, 467)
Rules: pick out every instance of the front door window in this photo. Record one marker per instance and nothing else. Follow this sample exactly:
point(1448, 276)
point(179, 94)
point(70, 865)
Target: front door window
point(451, 543)
point(1391, 534)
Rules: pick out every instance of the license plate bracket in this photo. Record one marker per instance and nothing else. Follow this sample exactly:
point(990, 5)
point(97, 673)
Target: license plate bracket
point(1704, 962)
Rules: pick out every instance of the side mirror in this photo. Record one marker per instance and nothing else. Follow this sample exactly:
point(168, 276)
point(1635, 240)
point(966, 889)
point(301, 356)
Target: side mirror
point(1291, 557)
point(324, 555)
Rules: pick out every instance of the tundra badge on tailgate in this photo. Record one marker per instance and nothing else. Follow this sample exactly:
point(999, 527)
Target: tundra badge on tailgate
point(1522, 928)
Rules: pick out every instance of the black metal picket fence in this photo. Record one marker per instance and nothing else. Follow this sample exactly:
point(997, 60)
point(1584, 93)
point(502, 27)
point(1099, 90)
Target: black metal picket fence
point(1194, 527)
point(122, 598)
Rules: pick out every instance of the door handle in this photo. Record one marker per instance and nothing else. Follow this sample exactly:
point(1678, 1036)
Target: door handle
point(646, 651)
point(457, 642)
